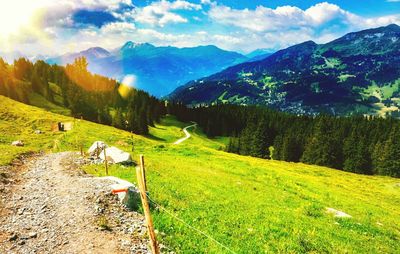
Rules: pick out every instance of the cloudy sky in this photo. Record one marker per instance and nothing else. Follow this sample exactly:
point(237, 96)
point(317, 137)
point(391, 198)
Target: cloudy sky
point(50, 27)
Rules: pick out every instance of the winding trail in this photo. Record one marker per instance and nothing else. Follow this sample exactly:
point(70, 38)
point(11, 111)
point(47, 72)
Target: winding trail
point(187, 134)
point(54, 208)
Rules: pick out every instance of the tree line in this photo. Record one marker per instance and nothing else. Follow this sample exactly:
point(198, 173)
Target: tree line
point(367, 145)
point(93, 97)
point(359, 144)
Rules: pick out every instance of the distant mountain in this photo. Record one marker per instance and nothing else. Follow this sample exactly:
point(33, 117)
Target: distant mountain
point(91, 54)
point(10, 56)
point(259, 54)
point(357, 73)
point(158, 70)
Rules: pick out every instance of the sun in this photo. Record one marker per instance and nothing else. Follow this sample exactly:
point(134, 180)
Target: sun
point(16, 15)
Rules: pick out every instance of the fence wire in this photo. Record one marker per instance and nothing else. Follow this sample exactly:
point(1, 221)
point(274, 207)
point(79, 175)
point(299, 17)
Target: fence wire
point(190, 226)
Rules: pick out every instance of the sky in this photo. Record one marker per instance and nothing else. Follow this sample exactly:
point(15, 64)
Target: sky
point(49, 27)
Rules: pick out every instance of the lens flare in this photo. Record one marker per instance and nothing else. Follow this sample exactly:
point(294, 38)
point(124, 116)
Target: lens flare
point(126, 86)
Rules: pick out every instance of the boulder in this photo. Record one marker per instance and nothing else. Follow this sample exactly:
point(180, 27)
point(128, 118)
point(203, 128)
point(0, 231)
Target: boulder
point(115, 155)
point(131, 198)
point(337, 213)
point(97, 148)
point(17, 143)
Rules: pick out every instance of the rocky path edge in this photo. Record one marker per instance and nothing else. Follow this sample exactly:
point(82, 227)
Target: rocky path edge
point(49, 206)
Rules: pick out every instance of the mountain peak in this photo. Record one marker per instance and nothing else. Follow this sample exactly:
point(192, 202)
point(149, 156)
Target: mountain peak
point(309, 43)
point(97, 52)
point(392, 27)
point(132, 45)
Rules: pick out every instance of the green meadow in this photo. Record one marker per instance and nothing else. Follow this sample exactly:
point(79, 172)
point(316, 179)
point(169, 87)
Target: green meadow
point(248, 205)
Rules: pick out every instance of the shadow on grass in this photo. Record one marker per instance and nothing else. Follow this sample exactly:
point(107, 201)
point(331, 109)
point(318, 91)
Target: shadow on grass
point(152, 137)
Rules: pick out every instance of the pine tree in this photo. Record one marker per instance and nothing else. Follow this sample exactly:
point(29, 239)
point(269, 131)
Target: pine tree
point(323, 147)
point(389, 164)
point(260, 141)
point(118, 119)
point(278, 146)
point(356, 154)
point(291, 148)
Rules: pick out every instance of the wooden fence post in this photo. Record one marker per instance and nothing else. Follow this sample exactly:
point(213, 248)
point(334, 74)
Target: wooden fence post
point(146, 208)
point(105, 160)
point(143, 172)
point(97, 150)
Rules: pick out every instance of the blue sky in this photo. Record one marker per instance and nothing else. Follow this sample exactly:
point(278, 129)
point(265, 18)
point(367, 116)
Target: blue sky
point(55, 27)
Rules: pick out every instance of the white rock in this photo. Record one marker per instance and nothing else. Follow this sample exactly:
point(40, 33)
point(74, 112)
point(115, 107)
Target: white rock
point(115, 155)
point(337, 213)
point(97, 148)
point(17, 143)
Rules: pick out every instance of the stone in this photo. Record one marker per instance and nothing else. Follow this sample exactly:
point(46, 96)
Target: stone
point(132, 199)
point(32, 235)
point(337, 213)
point(38, 132)
point(17, 143)
point(97, 148)
point(13, 237)
point(115, 155)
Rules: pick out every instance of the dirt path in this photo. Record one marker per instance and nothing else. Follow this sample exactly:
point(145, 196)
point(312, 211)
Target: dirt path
point(187, 134)
point(50, 209)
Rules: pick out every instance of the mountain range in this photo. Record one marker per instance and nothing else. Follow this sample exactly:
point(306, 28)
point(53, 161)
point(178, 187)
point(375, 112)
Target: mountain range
point(357, 73)
point(157, 70)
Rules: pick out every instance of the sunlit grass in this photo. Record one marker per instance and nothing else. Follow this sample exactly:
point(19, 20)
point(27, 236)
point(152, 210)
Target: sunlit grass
point(250, 205)
point(39, 101)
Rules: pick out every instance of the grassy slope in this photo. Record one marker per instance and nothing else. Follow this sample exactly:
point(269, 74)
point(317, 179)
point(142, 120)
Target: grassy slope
point(248, 204)
point(39, 101)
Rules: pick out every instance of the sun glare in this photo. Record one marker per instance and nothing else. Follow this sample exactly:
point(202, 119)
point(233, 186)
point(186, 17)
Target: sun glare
point(16, 15)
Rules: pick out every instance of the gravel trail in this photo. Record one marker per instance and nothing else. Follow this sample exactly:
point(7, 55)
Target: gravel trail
point(187, 134)
point(48, 206)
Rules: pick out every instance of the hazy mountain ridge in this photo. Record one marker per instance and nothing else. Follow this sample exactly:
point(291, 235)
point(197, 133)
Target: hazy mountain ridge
point(158, 70)
point(357, 73)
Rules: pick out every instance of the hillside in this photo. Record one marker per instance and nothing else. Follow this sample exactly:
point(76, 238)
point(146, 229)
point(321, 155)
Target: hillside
point(157, 70)
point(357, 73)
point(249, 205)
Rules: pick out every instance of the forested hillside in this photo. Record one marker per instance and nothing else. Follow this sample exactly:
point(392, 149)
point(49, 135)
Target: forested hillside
point(356, 74)
point(93, 97)
point(367, 145)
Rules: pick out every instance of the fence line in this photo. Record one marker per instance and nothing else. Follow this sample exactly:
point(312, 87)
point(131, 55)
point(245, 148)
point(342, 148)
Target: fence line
point(190, 226)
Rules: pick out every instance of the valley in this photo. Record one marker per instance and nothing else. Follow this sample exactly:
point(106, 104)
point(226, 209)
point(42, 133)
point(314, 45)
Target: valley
point(199, 126)
point(250, 205)
point(353, 75)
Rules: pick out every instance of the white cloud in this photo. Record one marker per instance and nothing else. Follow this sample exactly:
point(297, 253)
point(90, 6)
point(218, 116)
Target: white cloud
point(205, 2)
point(92, 4)
point(226, 27)
point(264, 19)
point(325, 12)
point(283, 17)
point(118, 27)
point(183, 5)
point(161, 13)
point(287, 25)
point(382, 21)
